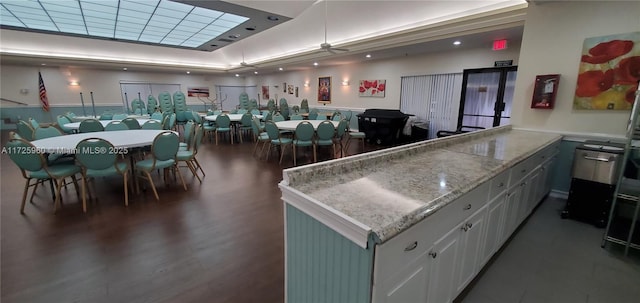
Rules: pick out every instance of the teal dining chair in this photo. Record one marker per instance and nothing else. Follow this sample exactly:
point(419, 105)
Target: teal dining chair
point(303, 137)
point(46, 132)
point(101, 164)
point(223, 125)
point(90, 125)
point(325, 134)
point(34, 123)
point(156, 116)
point(25, 130)
point(354, 135)
point(119, 117)
point(33, 166)
point(259, 136)
point(189, 156)
point(296, 117)
point(116, 126)
point(62, 120)
point(131, 123)
point(152, 124)
point(245, 125)
point(276, 139)
point(163, 156)
point(341, 134)
point(189, 132)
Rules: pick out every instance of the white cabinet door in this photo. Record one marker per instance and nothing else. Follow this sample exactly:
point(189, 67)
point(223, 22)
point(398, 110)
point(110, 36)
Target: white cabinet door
point(530, 197)
point(512, 207)
point(443, 268)
point(408, 285)
point(472, 240)
point(494, 228)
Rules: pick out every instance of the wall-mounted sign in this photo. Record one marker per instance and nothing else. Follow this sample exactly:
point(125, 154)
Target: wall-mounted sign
point(544, 91)
point(502, 63)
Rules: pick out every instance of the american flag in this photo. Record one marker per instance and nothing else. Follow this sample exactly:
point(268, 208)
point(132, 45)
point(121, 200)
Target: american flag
point(43, 94)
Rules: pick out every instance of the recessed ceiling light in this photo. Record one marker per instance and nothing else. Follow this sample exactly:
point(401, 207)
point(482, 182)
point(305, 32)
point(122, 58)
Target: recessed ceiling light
point(236, 36)
point(188, 72)
point(273, 18)
point(457, 42)
point(43, 64)
point(256, 72)
point(368, 56)
point(124, 68)
point(250, 28)
point(237, 75)
point(280, 68)
point(315, 63)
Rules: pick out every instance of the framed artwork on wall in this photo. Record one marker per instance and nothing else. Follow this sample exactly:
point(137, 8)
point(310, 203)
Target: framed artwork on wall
point(372, 88)
point(290, 89)
point(265, 92)
point(608, 73)
point(544, 91)
point(324, 89)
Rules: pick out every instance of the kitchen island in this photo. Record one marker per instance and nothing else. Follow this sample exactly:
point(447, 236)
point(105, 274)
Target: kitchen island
point(413, 223)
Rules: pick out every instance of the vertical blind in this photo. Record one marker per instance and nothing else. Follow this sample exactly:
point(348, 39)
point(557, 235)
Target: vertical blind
point(432, 98)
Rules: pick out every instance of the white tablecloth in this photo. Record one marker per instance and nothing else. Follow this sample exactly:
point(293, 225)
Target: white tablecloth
point(120, 139)
point(292, 124)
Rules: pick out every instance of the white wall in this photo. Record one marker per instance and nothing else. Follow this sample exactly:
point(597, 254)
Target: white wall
point(390, 70)
point(105, 84)
point(552, 44)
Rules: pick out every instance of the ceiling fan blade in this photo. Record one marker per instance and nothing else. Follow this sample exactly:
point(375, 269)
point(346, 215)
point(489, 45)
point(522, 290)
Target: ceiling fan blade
point(339, 49)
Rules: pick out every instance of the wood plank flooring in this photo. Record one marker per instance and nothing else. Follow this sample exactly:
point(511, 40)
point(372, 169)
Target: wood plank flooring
point(221, 241)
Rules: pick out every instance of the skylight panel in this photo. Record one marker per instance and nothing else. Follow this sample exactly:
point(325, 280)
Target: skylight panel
point(148, 21)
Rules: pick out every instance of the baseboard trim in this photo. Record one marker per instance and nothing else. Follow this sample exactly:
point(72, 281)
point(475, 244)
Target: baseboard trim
point(559, 194)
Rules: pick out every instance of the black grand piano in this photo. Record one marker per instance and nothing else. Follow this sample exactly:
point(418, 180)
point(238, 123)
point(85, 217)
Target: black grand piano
point(382, 126)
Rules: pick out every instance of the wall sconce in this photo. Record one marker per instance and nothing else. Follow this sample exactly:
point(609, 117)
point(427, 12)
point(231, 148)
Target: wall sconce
point(306, 84)
point(345, 83)
point(24, 91)
point(74, 83)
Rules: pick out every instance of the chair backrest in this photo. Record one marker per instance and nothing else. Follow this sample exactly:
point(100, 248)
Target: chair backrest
point(139, 111)
point(131, 123)
point(318, 117)
point(268, 116)
point(137, 106)
point(156, 116)
point(246, 119)
point(189, 132)
point(116, 126)
point(70, 114)
point(62, 120)
point(253, 103)
point(152, 124)
point(34, 123)
point(90, 125)
point(169, 121)
point(197, 140)
point(119, 117)
point(255, 126)
point(272, 130)
point(284, 108)
point(25, 130)
point(336, 116)
point(313, 114)
point(46, 132)
point(243, 100)
point(304, 106)
point(217, 112)
point(165, 146)
point(88, 158)
point(14, 135)
point(296, 117)
point(342, 128)
point(26, 161)
point(152, 104)
point(271, 105)
point(295, 109)
point(304, 131)
point(106, 116)
point(325, 130)
point(242, 111)
point(347, 115)
point(179, 101)
point(223, 121)
point(277, 117)
point(165, 103)
point(255, 111)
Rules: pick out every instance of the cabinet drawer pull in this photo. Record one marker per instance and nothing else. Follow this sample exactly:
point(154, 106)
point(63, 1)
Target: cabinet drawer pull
point(469, 225)
point(501, 184)
point(411, 246)
point(523, 171)
point(467, 207)
point(464, 228)
point(433, 254)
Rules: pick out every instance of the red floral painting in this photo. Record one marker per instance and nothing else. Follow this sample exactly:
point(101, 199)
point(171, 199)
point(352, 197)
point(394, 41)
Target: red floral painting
point(609, 72)
point(372, 88)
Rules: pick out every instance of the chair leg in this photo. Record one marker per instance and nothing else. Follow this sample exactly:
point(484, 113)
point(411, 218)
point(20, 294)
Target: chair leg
point(84, 193)
point(75, 185)
point(268, 151)
point(216, 137)
point(181, 179)
point(281, 153)
point(293, 148)
point(126, 189)
point(315, 157)
point(199, 166)
point(58, 195)
point(24, 194)
point(153, 186)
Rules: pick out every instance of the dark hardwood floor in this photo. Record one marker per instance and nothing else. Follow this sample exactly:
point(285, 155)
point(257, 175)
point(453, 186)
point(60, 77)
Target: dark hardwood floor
point(221, 241)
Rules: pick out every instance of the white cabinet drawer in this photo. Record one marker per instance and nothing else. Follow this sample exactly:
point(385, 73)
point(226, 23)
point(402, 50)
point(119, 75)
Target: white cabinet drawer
point(499, 183)
point(519, 171)
point(411, 243)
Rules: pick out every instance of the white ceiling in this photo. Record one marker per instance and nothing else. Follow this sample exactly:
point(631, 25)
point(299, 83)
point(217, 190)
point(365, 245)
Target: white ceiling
point(383, 28)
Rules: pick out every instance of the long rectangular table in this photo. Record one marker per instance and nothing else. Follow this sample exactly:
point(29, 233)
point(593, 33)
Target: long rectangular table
point(292, 124)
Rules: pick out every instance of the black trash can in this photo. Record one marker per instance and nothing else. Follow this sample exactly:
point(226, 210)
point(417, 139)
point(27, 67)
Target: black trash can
point(420, 131)
point(382, 126)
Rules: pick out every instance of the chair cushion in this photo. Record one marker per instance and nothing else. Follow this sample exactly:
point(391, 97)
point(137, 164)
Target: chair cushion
point(147, 164)
point(325, 142)
point(184, 155)
point(303, 142)
point(223, 129)
point(282, 141)
point(357, 135)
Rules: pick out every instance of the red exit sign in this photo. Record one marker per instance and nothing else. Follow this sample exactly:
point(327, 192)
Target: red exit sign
point(499, 44)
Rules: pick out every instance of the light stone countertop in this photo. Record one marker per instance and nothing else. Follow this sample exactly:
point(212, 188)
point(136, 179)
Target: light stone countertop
point(391, 190)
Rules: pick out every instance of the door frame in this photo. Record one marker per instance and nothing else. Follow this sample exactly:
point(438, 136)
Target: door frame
point(499, 105)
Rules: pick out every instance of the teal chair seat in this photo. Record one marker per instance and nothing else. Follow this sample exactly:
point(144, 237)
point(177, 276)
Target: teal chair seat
point(276, 139)
point(56, 171)
point(304, 138)
point(108, 171)
point(223, 125)
point(151, 164)
point(163, 156)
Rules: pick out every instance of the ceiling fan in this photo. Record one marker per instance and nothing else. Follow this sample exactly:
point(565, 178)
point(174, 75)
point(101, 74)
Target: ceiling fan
point(326, 46)
point(245, 64)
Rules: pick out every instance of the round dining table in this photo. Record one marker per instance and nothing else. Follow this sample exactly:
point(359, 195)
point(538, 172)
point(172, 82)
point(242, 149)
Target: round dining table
point(121, 140)
point(292, 124)
point(76, 125)
point(232, 117)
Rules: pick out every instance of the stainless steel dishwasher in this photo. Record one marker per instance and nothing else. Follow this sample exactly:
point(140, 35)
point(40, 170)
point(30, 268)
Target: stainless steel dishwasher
point(594, 174)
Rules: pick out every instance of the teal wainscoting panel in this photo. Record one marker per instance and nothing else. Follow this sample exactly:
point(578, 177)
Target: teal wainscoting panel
point(322, 265)
point(562, 172)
